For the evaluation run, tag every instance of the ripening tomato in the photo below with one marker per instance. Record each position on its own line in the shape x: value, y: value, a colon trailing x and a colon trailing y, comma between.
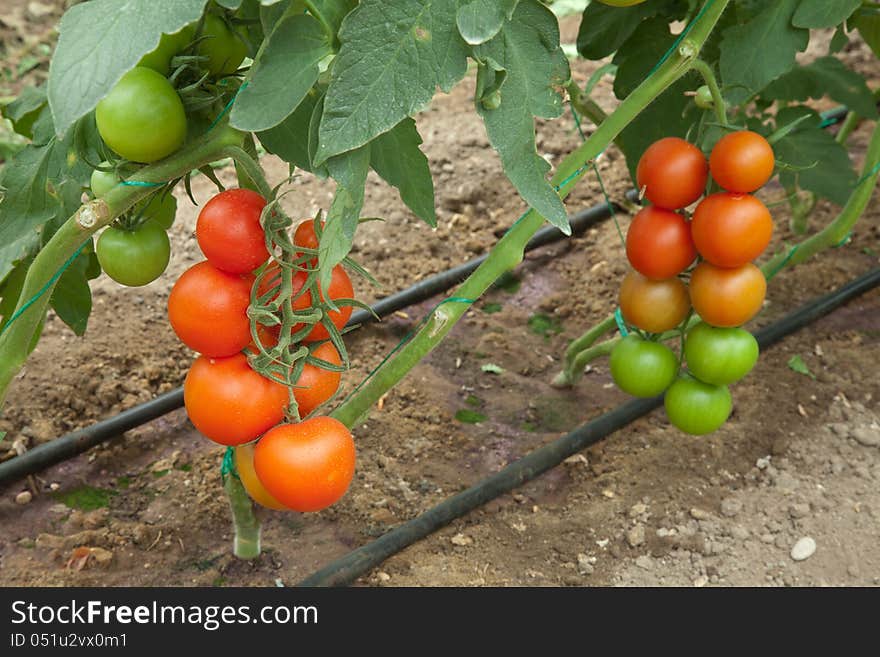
x: 730, y: 230
x: 305, y: 235
x: 306, y: 466
x: 727, y: 297
x: 229, y: 402
x: 207, y: 309
x: 696, y: 407
x: 134, y: 257
x: 244, y: 465
x: 223, y: 47
x: 742, y: 161
x: 316, y: 385
x: 229, y: 232
x: 720, y: 356
x: 642, y: 368
x: 142, y: 118
x: 673, y: 173
x: 659, y: 244
x: 653, y: 306
x: 103, y: 180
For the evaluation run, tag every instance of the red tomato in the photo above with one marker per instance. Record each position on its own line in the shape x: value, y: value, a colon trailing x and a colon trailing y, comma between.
x: 727, y: 297
x: 731, y: 229
x: 306, y: 466
x: 229, y: 402
x: 659, y: 244
x: 229, y: 231
x: 742, y: 161
x: 653, y: 306
x: 207, y: 309
x: 316, y: 385
x: 305, y: 235
x: 673, y: 173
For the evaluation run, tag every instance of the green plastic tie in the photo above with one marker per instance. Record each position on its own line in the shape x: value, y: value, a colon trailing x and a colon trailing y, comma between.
x: 621, y: 325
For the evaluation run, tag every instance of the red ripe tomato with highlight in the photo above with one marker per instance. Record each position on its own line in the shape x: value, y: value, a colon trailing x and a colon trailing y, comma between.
x: 229, y: 232
x: 659, y: 244
x: 316, y: 385
x: 207, y: 309
x: 742, y: 161
x: 305, y: 235
x: 673, y: 173
x: 727, y: 297
x: 653, y: 306
x: 229, y: 402
x: 730, y: 230
x: 306, y: 466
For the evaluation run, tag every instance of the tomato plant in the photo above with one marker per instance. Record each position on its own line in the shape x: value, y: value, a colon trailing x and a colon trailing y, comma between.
x: 229, y: 402
x: 306, y: 466
x: 169, y: 45
x: 229, y: 232
x: 142, y: 118
x: 696, y: 407
x: 653, y: 306
x: 720, y: 356
x: 134, y: 257
x: 659, y: 243
x: 730, y: 230
x: 727, y: 297
x: 643, y: 368
x: 207, y: 309
x: 672, y: 173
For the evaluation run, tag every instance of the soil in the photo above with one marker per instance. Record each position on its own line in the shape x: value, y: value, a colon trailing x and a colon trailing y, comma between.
x: 800, y: 457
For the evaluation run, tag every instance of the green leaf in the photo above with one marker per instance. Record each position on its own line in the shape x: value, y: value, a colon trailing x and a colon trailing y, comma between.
x: 797, y: 364
x: 820, y: 164
x: 528, y: 49
x: 467, y: 416
x: 25, y: 109
x: 319, y: 170
x: 757, y: 52
x: 396, y: 157
x: 289, y: 140
x: 334, y: 11
x: 604, y: 29
x: 349, y: 170
x: 638, y: 56
x: 817, y: 14
x: 838, y: 41
x: 480, y: 20
x: 492, y: 368
x: 100, y: 41
x: 72, y: 298
x: 394, y: 54
x: 868, y: 26
x: 825, y: 76
x: 282, y: 75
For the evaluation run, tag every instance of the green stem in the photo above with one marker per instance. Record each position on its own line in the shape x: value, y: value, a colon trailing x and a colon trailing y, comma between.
x: 837, y: 231
x: 250, y: 167
x: 584, y: 105
x: 508, y: 252
x: 570, y: 373
x: 322, y: 19
x: 246, y: 544
x: 849, y: 124
x: 84, y: 223
x: 712, y: 82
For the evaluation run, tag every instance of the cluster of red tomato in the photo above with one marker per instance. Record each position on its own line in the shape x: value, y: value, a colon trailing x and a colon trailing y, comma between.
x: 304, y: 466
x: 728, y: 230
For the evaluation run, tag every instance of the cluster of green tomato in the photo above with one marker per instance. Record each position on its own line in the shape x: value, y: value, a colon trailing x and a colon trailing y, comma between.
x: 143, y: 119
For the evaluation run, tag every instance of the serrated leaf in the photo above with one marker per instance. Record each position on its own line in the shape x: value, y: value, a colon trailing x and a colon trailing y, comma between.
x: 289, y: 140
x: 641, y: 52
x: 757, y: 52
x: 100, y: 41
x: 349, y: 170
x: 480, y: 20
x: 868, y: 26
x: 528, y: 49
x: 396, y: 157
x: 282, y: 75
x: 492, y: 368
x: 24, y: 110
x: 820, y: 164
x: 797, y: 364
x: 817, y: 14
x: 604, y: 28
x: 72, y: 298
x: 394, y: 54
x: 825, y: 76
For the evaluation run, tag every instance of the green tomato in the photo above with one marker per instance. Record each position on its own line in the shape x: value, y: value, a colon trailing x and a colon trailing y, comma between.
x: 134, y: 257
x: 642, y: 368
x: 703, y: 98
x: 161, y: 208
x: 621, y: 3
x: 169, y: 45
x: 142, y: 118
x: 224, y: 48
x: 720, y: 356
x: 696, y: 407
x: 103, y: 181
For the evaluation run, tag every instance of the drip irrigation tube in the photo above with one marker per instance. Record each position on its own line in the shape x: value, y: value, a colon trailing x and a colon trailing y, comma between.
x: 68, y: 446
x: 348, y: 568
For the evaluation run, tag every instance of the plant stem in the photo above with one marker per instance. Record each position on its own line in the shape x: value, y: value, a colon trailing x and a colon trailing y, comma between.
x: 570, y: 373
x: 849, y: 124
x: 508, y: 252
x: 247, y: 526
x: 837, y: 231
x: 84, y: 223
x: 251, y: 169
x: 584, y: 105
x: 712, y: 82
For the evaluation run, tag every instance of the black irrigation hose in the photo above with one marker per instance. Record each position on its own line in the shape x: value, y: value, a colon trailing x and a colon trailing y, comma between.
x: 348, y: 568
x: 68, y: 446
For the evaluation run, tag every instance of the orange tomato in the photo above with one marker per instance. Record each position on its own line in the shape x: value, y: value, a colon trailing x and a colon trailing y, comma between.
x: 244, y: 465
x: 653, y: 306
x: 742, y: 161
x: 727, y: 297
